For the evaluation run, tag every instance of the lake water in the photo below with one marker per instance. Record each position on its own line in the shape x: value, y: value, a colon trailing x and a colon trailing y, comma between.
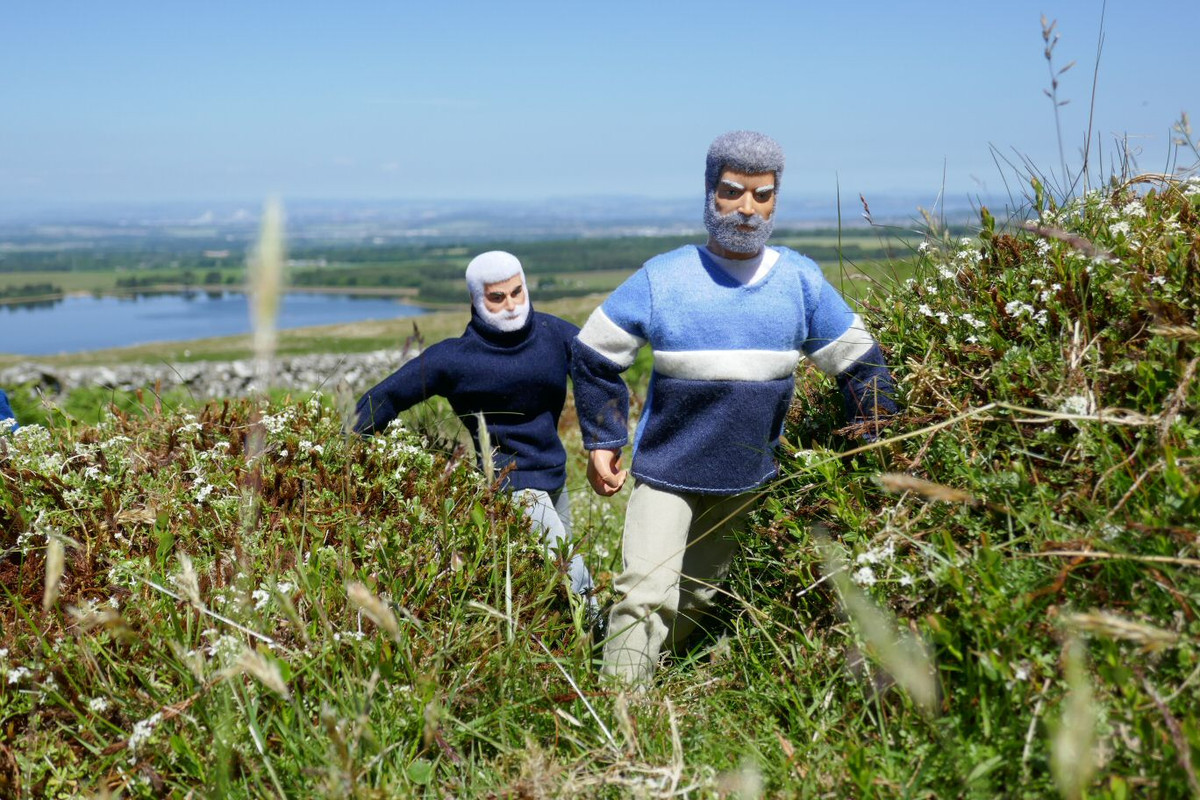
x: 74, y: 324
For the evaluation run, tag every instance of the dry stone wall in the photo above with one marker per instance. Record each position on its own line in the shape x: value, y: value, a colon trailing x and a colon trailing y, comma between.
x: 204, y: 379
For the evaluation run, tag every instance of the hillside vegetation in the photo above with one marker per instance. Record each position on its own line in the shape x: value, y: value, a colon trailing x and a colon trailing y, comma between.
x: 998, y: 597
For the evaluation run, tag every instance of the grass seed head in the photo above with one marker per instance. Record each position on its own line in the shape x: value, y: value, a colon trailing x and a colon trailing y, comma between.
x: 54, y: 572
x: 1111, y: 626
x: 899, y: 483
x: 262, y: 669
x: 1072, y: 751
x: 375, y: 609
x: 187, y: 582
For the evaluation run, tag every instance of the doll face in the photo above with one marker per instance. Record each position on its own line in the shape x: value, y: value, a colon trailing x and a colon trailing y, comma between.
x: 504, y: 297
x: 749, y: 195
x: 738, y: 213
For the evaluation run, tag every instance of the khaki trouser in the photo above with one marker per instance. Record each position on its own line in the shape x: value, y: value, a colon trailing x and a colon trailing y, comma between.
x: 677, y: 548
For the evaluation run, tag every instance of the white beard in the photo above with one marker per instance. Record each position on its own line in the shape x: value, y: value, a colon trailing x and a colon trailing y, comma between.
x: 505, y: 321
x: 724, y: 228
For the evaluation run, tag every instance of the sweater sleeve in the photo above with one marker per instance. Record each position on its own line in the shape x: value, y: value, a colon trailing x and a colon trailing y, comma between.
x: 419, y: 379
x: 605, y: 347
x: 839, y: 345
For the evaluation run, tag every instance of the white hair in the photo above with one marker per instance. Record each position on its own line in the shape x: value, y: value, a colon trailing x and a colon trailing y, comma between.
x: 496, y: 266
x: 493, y: 266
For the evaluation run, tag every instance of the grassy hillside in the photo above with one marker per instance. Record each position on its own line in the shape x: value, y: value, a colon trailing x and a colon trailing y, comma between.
x: 997, y: 598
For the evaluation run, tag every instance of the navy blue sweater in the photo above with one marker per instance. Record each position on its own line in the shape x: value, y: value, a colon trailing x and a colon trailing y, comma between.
x: 517, y: 379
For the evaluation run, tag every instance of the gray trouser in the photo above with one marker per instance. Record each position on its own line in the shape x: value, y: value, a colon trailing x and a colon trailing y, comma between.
x: 677, y: 548
x: 550, y: 513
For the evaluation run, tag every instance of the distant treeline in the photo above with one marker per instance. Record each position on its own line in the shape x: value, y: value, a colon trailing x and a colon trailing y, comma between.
x: 187, y: 278
x: 433, y: 270
x: 29, y: 290
x: 87, y: 260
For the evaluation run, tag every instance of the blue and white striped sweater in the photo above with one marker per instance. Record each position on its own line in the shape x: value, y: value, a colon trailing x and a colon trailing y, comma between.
x: 724, y: 358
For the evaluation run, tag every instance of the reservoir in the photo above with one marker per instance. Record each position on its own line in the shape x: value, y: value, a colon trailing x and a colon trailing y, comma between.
x: 79, y: 323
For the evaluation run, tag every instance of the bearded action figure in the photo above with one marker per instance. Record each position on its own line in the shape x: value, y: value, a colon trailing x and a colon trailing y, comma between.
x: 727, y: 324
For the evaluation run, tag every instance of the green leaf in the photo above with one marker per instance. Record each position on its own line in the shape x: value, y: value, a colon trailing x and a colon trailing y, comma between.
x: 421, y: 772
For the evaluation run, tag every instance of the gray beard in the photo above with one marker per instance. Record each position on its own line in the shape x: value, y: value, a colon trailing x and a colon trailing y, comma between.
x: 723, y: 228
x: 505, y: 321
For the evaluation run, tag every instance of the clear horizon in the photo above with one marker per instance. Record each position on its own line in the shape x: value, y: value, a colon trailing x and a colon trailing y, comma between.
x: 133, y: 102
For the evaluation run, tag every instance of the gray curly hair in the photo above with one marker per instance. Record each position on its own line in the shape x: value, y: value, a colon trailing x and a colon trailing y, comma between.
x: 744, y: 151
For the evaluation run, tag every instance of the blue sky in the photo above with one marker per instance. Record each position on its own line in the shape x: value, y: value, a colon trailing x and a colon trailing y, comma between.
x: 152, y: 101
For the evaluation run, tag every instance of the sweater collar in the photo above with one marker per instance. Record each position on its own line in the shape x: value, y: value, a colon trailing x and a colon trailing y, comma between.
x: 497, y: 337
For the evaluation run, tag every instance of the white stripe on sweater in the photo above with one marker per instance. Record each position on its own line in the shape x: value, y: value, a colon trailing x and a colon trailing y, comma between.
x: 840, y: 354
x: 726, y: 365
x: 609, y: 339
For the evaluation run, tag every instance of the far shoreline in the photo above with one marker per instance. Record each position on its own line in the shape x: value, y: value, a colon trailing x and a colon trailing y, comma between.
x: 409, y: 294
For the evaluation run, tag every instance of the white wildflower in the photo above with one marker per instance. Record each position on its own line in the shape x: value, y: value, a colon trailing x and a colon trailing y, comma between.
x: 32, y: 434
x: 864, y: 577
x: 261, y: 597
x: 877, y: 555
x: 18, y: 674
x: 1078, y: 405
x: 224, y: 648
x: 98, y: 705
x: 923, y: 247
x: 1159, y: 280
x: 203, y: 490
x: 142, y: 730
x: 926, y: 310
x: 1134, y: 208
x: 943, y: 317
x: 974, y: 321
x: 1121, y: 228
x: 1017, y: 308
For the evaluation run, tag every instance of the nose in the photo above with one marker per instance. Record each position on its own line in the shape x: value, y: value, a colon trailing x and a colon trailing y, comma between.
x: 510, y: 303
x: 746, y: 206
